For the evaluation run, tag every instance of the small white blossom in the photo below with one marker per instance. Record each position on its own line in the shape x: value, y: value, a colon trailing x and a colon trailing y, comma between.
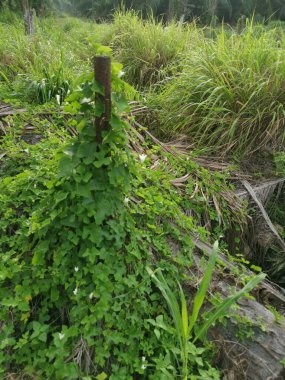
x: 126, y: 200
x: 142, y: 158
x: 58, y: 99
x: 35, y: 185
x: 121, y: 73
x: 61, y: 336
x: 75, y: 291
x: 68, y: 152
x: 85, y: 100
x: 76, y: 269
x: 143, y: 366
x: 91, y: 295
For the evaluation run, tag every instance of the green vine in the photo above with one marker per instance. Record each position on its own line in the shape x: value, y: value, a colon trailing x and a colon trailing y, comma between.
x: 77, y: 301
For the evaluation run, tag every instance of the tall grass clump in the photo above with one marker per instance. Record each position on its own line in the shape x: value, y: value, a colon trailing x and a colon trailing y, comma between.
x: 43, y: 66
x: 146, y: 48
x: 230, y: 95
x: 8, y: 17
x: 22, y: 54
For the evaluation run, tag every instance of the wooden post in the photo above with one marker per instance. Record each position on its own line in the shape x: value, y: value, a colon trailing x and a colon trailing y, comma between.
x: 102, y: 74
x: 29, y: 18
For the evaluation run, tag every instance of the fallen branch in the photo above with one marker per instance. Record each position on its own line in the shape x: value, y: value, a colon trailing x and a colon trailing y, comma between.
x: 264, y: 213
x: 257, y: 355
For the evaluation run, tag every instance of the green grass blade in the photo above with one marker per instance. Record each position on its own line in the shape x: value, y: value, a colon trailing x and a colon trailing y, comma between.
x: 184, y: 314
x: 171, y: 301
x: 212, y: 316
x: 201, y: 294
x: 5, y: 78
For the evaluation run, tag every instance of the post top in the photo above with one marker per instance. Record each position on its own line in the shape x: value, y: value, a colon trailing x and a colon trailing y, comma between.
x: 102, y: 57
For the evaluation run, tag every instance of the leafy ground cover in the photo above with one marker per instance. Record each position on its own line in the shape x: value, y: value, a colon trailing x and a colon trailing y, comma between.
x: 78, y: 232
x: 95, y: 239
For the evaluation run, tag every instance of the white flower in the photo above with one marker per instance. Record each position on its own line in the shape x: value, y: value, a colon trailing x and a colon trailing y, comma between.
x: 126, y: 200
x: 75, y: 291
x: 143, y: 367
x: 142, y: 158
x: 58, y: 99
x: 76, y: 269
x: 69, y: 152
x: 91, y: 295
x: 121, y: 73
x: 61, y: 336
x: 85, y: 100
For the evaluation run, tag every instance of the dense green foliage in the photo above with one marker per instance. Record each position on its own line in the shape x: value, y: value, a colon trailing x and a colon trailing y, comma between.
x: 76, y: 239
x: 94, y: 238
x: 185, y: 322
x: 229, y: 10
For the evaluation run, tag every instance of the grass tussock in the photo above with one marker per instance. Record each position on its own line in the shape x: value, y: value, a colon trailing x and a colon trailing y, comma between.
x: 60, y: 51
x: 147, y: 49
x: 230, y: 96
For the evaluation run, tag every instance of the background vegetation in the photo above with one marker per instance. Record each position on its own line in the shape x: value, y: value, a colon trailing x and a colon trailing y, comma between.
x: 87, y: 233
x: 206, y: 10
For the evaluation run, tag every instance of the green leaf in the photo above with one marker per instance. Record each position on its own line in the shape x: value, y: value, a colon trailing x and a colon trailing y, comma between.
x: 203, y: 288
x: 171, y: 301
x: 60, y: 196
x: 184, y: 314
x: 10, y: 302
x: 101, y: 376
x: 54, y: 294
x: 122, y: 105
x: 116, y: 123
x: 220, y: 310
x: 43, y: 337
x: 99, y: 108
x: 65, y: 166
x: 97, y: 88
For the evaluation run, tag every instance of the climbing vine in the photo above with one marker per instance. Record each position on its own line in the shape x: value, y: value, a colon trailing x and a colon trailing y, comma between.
x: 77, y: 301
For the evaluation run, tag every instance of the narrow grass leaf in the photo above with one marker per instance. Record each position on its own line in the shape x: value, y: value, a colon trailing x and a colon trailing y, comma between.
x: 200, y: 295
x: 212, y: 316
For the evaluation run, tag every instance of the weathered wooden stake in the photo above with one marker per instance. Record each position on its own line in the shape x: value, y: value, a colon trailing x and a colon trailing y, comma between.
x: 102, y: 74
x: 29, y: 18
